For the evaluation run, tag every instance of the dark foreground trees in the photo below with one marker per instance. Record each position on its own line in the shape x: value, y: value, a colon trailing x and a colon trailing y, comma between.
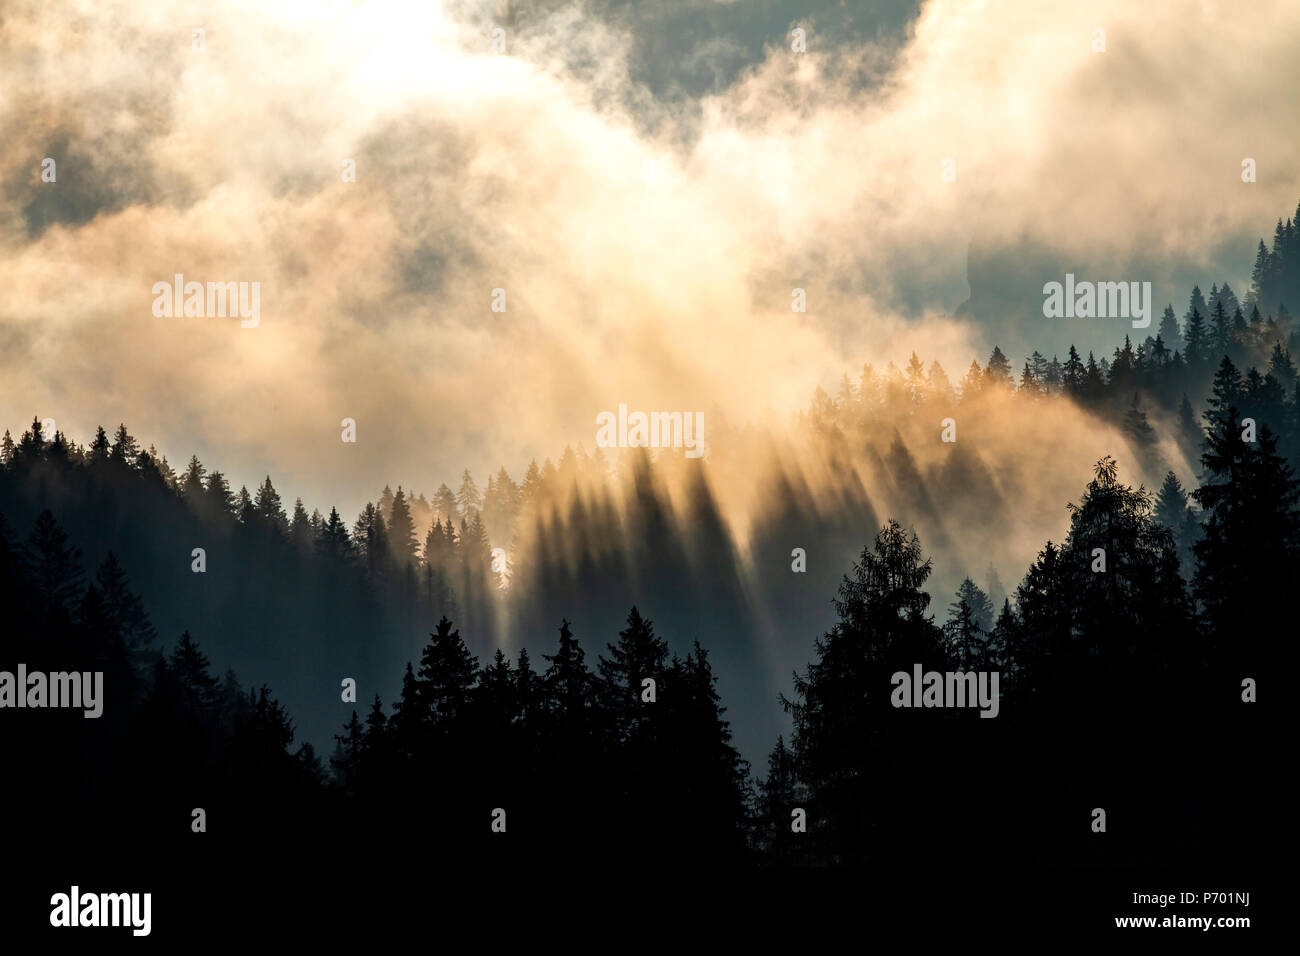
x: 1120, y: 690
x: 629, y: 763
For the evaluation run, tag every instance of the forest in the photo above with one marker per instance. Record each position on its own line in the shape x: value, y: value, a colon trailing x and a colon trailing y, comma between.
x: 609, y: 572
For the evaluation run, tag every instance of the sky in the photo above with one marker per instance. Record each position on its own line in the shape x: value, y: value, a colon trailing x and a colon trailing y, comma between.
x: 646, y: 182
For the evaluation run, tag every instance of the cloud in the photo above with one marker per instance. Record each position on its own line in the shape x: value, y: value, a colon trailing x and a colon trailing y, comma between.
x: 647, y: 244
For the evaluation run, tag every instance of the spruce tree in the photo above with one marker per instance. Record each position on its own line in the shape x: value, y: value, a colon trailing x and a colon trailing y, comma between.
x: 639, y: 654
x: 401, y: 529
x: 842, y: 704
x: 445, y: 679
x: 53, y: 567
x: 124, y: 450
x: 1250, y: 547
x: 468, y: 499
x: 128, y: 613
x: 1169, y: 332
x: 1172, y: 511
x: 998, y: 371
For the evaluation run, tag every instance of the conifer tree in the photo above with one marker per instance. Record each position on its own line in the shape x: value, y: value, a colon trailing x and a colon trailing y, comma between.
x: 53, y: 567
x: 842, y: 701
x: 998, y: 371
x: 468, y: 499
x: 1072, y: 374
x: 269, y: 508
x: 639, y: 654
x: 349, y: 753
x: 1251, y: 526
x: 1199, y: 342
x: 568, y: 685
x: 401, y: 529
x: 219, y: 497
x: 190, y: 668
x: 124, y: 450
x: 445, y: 678
x: 334, y: 539
x: 970, y: 620
x: 1169, y: 332
x: 99, y: 448
x: 1173, y: 512
x: 192, y: 484
x: 128, y: 613
x: 300, y: 526
x: 1138, y: 430
x: 444, y: 503
x: 972, y: 383
x: 245, y: 510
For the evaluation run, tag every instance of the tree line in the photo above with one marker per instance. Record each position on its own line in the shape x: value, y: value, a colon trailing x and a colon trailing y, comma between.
x: 305, y: 598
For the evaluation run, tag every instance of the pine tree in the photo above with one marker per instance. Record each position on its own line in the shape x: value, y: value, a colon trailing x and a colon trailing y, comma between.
x: 779, y: 795
x: 31, y: 445
x: 1038, y: 365
x: 528, y: 691
x: 1281, y: 367
x: 190, y: 668
x: 1055, y: 375
x: 300, y: 526
x: 349, y: 754
x: 638, y: 655
x: 99, y: 448
x: 219, y: 497
x: 127, y: 613
x: 1199, y: 343
x: 842, y: 701
x: 1072, y: 374
x: 192, y: 484
x: 1251, y: 527
x: 913, y: 378
x: 1173, y: 512
x: 970, y: 620
x: 124, y: 450
x: 268, y: 507
x: 1094, y: 381
x: 401, y: 529
x: 245, y: 510
x: 568, y: 685
x: 407, y: 723
x: 334, y: 538
x: 376, y: 725
x: 53, y: 567
x: 1190, y: 434
x: 1028, y: 384
x: 709, y: 791
x: 998, y: 371
x: 1259, y: 276
x: 1140, y: 591
x: 445, y: 678
x: 940, y: 386
x: 444, y: 503
x: 1220, y: 331
x: 468, y: 499
x: 1169, y: 332
x: 1139, y: 432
